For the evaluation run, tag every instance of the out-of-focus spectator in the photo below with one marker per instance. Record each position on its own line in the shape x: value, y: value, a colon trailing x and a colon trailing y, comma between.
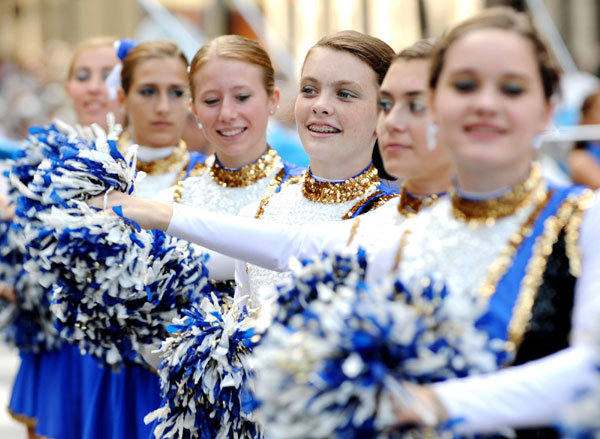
x: 584, y: 159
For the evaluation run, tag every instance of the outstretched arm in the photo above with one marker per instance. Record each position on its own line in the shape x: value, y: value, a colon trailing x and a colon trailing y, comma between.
x: 267, y: 244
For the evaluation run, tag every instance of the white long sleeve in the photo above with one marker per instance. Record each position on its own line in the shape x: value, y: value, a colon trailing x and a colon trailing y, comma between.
x: 529, y: 395
x: 533, y: 393
x: 264, y: 243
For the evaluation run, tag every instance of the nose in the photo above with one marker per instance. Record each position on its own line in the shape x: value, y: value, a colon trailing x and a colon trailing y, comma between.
x: 163, y: 104
x: 227, y: 111
x: 96, y: 84
x: 322, y: 105
x: 396, y: 119
x: 486, y: 100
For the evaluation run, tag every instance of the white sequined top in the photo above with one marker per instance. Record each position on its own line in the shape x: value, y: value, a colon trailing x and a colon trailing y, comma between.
x: 290, y: 206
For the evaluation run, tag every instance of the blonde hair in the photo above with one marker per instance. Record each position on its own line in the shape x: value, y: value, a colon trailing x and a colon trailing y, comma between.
x: 85, y: 45
x: 238, y: 48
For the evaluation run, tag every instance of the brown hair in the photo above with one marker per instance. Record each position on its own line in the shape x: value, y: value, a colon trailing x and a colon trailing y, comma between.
x: 373, y: 51
x: 422, y: 49
x: 85, y: 45
x: 147, y: 51
x: 238, y: 48
x: 503, y: 18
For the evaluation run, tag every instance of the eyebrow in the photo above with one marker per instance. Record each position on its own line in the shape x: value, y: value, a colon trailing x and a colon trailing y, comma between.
x: 339, y: 83
x: 410, y: 93
x: 474, y: 72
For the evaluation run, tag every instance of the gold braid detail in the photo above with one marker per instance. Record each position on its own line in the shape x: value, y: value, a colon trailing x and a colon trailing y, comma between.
x: 572, y: 232
x: 272, y: 190
x: 503, y: 261
x: 355, y: 225
x: 535, y: 271
x: 377, y: 204
x: 199, y: 169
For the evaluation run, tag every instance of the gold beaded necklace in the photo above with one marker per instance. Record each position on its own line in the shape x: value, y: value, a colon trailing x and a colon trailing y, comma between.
x: 410, y: 204
x: 477, y: 212
x: 327, y: 192
x: 248, y: 174
x: 168, y: 164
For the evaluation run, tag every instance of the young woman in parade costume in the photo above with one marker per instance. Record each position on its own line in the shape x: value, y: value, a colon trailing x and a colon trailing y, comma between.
x: 336, y: 119
x: 48, y: 390
x: 526, y: 249
x: 584, y: 159
x: 154, y: 95
x: 233, y: 94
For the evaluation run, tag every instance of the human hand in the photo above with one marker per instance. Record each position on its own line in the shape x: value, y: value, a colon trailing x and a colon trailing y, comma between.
x: 7, y: 211
x: 148, y: 214
x: 7, y: 291
x: 424, y: 409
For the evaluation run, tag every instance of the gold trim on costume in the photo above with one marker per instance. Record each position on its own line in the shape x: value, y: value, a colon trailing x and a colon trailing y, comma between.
x: 272, y: 190
x: 327, y: 192
x: 355, y: 225
x: 248, y: 174
x: 162, y: 166
x: 199, y: 168
x: 537, y: 266
x: 503, y: 261
x: 477, y: 212
x: 380, y: 202
x: 410, y: 204
x: 23, y: 419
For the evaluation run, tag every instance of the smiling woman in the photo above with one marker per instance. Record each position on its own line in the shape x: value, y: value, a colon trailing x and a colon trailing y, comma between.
x: 91, y: 63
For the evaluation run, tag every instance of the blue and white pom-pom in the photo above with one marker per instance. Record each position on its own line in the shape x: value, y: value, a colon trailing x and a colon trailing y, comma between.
x: 114, y: 293
x: 26, y: 322
x: 114, y: 286
x: 204, y: 374
x: 315, y: 280
x: 337, y: 373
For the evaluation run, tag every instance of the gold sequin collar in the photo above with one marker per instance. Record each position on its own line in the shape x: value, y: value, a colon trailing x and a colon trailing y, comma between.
x: 168, y: 164
x: 524, y: 194
x: 330, y: 192
x: 248, y: 174
x: 410, y: 204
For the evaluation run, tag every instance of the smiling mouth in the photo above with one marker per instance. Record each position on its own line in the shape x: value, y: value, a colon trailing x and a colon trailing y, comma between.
x: 231, y: 132
x: 323, y: 129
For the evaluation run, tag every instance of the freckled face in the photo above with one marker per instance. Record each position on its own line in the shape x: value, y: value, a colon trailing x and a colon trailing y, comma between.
x: 336, y: 109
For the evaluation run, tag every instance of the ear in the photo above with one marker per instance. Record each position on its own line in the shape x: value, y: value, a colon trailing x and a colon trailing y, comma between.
x: 547, y: 117
x: 430, y: 106
x: 273, y: 101
x: 122, y: 98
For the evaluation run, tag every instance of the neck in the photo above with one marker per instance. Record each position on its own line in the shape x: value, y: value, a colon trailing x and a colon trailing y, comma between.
x: 327, y: 171
x: 240, y: 159
x: 477, y: 180
x: 429, y: 186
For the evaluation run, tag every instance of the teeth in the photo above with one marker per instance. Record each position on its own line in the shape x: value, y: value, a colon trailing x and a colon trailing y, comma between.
x: 230, y: 133
x: 322, y: 129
